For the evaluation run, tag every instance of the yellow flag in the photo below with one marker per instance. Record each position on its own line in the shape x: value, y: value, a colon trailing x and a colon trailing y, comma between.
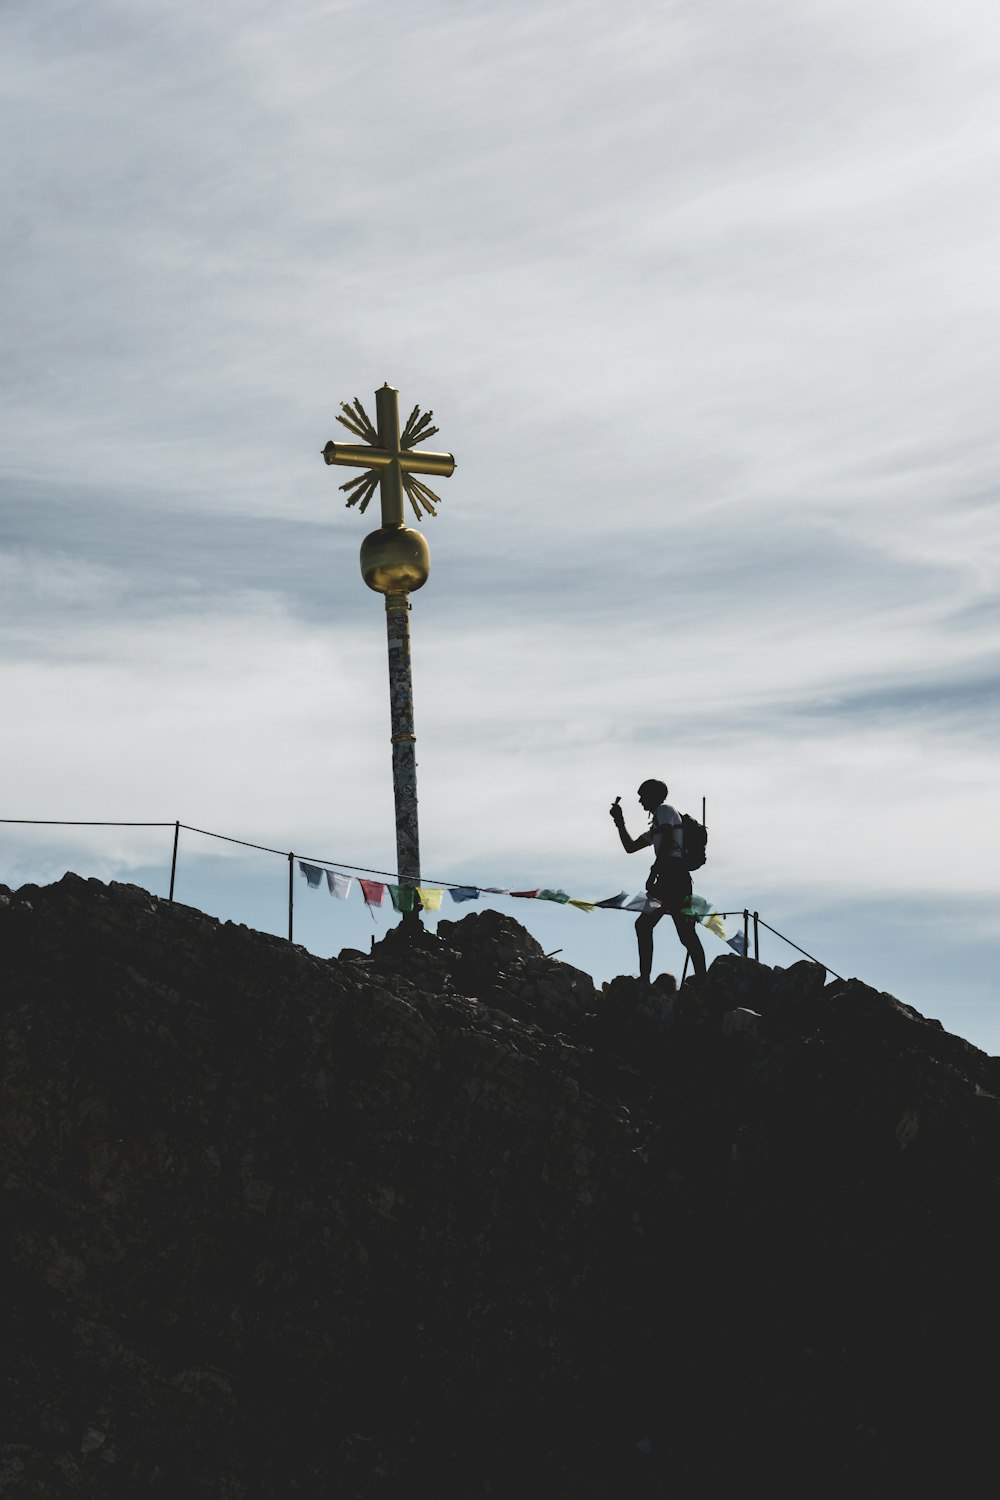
x: 430, y: 897
x: 583, y: 905
x: 714, y: 924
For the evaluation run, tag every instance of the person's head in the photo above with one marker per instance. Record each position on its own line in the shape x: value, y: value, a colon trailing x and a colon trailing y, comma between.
x: 651, y: 794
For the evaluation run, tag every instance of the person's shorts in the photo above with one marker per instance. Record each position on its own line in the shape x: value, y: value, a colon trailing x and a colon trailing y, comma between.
x: 670, y: 883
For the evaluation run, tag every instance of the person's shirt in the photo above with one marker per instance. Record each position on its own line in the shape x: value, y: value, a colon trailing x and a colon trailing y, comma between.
x: 666, y: 833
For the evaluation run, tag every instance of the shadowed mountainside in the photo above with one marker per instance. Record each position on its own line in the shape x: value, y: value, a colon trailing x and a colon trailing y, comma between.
x: 447, y: 1219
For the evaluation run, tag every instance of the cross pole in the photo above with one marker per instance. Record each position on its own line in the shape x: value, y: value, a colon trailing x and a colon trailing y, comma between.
x: 395, y: 560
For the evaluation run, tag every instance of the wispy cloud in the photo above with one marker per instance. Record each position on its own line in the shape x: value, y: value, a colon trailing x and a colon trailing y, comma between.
x: 704, y: 299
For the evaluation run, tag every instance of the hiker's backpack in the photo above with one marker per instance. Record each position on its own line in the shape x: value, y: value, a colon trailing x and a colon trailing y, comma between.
x: 695, y: 842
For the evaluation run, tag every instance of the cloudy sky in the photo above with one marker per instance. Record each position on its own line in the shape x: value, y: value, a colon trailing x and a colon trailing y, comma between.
x: 704, y: 297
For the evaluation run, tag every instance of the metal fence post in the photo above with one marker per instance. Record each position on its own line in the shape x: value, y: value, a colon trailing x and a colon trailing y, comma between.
x: 173, y: 862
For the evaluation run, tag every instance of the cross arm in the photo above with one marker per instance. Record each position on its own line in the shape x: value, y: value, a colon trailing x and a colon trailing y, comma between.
x: 413, y: 461
x: 420, y: 461
x: 357, y: 455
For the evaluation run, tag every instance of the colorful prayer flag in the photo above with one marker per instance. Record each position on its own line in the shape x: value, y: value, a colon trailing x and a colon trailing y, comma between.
x: 614, y: 901
x: 583, y: 905
x: 559, y: 896
x: 401, y: 896
x: 339, y: 885
x: 714, y: 925
x: 464, y: 893
x: 373, y: 890
x: 529, y: 894
x: 738, y: 944
x: 431, y: 896
x: 313, y: 873
x: 698, y: 907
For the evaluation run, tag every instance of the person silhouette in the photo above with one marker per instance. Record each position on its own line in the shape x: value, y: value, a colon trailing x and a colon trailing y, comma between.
x: 669, y: 879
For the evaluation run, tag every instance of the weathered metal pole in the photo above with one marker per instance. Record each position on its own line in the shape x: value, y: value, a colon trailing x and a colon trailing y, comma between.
x: 404, y: 743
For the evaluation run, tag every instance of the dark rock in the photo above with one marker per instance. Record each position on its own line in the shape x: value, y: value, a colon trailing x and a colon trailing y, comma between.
x: 742, y: 1023
x: 443, y: 1219
x: 491, y: 957
x: 490, y: 937
x: 791, y: 999
x: 732, y: 983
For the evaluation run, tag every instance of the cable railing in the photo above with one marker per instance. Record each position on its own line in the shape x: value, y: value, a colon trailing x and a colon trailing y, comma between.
x: 741, y: 944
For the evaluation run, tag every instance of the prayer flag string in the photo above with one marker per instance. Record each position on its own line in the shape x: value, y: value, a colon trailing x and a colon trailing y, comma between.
x: 431, y: 897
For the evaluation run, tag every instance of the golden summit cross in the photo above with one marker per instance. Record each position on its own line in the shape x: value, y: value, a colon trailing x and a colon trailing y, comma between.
x: 390, y: 458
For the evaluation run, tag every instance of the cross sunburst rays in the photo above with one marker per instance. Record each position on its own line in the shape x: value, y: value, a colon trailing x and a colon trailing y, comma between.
x: 420, y: 495
x: 358, y: 422
x: 418, y: 429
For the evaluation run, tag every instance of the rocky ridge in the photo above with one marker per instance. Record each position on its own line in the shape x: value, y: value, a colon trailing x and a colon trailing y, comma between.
x: 447, y: 1218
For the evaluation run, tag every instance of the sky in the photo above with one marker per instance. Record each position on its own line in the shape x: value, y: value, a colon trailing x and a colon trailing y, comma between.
x: 704, y: 298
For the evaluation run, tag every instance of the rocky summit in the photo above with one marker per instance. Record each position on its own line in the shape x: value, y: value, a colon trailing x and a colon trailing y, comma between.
x: 444, y: 1219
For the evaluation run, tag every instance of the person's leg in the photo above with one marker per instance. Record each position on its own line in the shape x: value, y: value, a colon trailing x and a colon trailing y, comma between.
x: 644, y: 934
x: 688, y: 934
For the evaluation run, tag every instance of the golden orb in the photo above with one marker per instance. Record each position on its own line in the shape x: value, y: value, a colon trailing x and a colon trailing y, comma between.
x: 395, y: 560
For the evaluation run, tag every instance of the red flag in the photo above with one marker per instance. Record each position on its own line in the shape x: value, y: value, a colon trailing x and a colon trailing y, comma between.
x: 373, y: 890
x: 525, y: 893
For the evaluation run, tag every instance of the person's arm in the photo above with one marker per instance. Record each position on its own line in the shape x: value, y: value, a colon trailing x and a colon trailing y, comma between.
x: 630, y: 845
